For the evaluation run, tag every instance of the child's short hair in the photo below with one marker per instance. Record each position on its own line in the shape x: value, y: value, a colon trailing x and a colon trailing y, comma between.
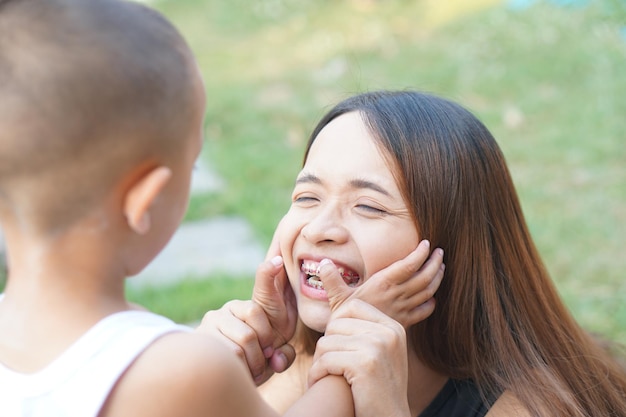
x: 88, y: 90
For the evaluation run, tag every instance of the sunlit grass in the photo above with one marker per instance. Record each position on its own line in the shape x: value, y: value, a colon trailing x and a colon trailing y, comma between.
x: 188, y: 300
x: 550, y: 82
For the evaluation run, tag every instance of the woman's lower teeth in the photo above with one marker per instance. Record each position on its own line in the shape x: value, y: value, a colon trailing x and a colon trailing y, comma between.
x: 315, y: 283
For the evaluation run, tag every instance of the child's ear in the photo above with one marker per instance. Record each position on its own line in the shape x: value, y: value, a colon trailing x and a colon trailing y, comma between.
x: 142, y: 195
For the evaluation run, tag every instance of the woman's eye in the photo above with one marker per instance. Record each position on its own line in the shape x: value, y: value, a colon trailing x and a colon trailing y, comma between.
x: 305, y: 200
x: 371, y: 210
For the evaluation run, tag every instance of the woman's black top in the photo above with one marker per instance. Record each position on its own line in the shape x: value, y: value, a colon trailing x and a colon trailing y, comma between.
x: 456, y: 399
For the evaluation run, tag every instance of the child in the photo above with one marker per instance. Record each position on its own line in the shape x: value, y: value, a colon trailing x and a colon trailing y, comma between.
x: 101, y: 113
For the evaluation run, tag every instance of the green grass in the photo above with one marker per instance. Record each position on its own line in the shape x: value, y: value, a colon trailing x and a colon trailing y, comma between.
x: 550, y: 82
x: 3, y: 275
x: 188, y: 300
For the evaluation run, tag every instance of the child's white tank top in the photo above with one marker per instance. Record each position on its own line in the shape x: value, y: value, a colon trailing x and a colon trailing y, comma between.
x: 79, y: 381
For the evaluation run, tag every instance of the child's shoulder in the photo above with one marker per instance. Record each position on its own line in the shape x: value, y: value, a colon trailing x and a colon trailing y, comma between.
x: 186, y: 374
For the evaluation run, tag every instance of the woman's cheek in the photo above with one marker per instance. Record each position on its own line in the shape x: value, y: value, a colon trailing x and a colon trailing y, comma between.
x: 287, y: 228
x: 378, y: 256
x: 287, y: 235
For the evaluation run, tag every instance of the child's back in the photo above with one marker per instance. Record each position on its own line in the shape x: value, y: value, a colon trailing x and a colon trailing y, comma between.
x: 101, y: 110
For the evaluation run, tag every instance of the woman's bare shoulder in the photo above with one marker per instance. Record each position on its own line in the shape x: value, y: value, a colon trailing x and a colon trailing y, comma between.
x: 508, y: 405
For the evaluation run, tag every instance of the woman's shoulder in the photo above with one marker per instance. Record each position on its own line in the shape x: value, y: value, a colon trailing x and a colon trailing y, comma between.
x: 508, y: 405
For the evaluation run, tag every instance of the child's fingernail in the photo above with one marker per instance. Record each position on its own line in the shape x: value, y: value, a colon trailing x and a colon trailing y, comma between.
x: 324, y: 262
x: 277, y: 260
x: 440, y: 251
x: 268, y: 352
x: 281, y: 360
x: 426, y: 243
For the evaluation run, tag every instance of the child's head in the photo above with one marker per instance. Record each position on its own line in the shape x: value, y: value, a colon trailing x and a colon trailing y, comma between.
x: 94, y: 95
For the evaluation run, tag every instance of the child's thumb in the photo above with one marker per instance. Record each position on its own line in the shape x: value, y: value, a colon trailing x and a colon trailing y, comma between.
x: 282, y: 358
x: 336, y: 288
x: 265, y: 292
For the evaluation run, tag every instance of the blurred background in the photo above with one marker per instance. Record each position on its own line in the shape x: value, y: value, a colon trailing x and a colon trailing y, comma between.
x: 548, y: 78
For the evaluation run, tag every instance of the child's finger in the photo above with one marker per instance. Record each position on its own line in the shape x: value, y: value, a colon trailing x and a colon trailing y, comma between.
x: 334, y: 285
x: 419, y: 313
x: 427, y: 292
x: 425, y: 276
x: 423, y: 300
x: 402, y: 270
x: 266, y: 295
x: 282, y: 358
x: 239, y: 324
x: 434, y: 260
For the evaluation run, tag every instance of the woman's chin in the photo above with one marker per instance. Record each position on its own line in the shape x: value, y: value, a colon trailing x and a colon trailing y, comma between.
x: 318, y: 327
x: 315, y: 320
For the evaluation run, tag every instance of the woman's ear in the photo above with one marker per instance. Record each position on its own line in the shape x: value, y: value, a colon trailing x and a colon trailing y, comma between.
x: 142, y: 195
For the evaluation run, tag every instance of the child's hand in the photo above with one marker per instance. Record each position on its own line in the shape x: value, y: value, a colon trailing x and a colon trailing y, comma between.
x: 258, y: 330
x: 404, y: 290
x: 369, y: 349
x: 274, y: 295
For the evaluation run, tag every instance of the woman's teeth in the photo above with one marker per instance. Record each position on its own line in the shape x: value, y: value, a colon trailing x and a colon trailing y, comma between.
x: 313, y: 280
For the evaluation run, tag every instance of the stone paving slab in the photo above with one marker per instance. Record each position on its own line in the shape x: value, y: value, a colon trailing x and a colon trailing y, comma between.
x: 197, y: 249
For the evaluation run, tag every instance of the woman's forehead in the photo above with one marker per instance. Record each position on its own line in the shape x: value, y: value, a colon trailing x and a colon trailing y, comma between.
x: 346, y: 151
x: 345, y: 140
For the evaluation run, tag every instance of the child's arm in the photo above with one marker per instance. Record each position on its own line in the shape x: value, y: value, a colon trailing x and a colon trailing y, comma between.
x: 330, y: 396
x: 186, y: 374
x: 195, y: 375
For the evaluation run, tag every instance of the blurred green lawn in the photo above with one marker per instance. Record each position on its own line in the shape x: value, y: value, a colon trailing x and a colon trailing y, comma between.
x: 549, y: 81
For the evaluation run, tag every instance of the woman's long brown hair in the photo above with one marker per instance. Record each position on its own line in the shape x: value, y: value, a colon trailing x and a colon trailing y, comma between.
x: 499, y: 320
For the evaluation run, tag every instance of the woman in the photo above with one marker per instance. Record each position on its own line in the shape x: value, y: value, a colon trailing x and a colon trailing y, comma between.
x: 383, y: 170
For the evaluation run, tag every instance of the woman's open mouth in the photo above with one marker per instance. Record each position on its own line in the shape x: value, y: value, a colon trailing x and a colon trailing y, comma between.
x: 312, y: 279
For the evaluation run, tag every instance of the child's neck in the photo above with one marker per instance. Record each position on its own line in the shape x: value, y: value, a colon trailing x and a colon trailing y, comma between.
x: 57, y: 289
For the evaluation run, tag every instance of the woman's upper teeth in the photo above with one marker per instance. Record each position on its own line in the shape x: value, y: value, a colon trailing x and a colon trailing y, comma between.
x: 311, y: 268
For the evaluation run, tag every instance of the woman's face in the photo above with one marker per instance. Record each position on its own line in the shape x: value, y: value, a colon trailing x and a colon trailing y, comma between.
x: 347, y: 207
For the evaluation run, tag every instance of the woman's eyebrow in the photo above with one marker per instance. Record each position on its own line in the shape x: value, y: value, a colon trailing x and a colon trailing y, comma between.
x: 358, y: 183
x: 361, y: 183
x: 308, y: 178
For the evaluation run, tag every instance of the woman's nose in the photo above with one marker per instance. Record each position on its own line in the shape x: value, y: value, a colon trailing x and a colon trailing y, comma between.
x: 325, y: 226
